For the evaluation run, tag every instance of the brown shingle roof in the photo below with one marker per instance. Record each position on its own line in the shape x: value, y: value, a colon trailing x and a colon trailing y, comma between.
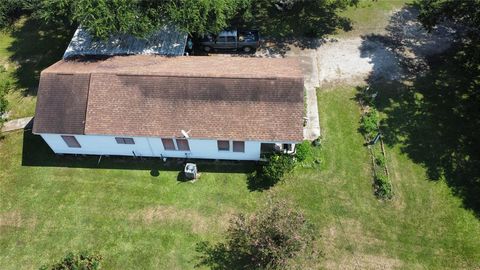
x: 61, y: 103
x: 214, y: 97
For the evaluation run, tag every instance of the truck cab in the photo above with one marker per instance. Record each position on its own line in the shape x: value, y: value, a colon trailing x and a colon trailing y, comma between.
x: 245, y: 41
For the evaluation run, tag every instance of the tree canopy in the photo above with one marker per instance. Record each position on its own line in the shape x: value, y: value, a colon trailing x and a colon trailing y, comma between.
x: 466, y: 13
x: 140, y: 17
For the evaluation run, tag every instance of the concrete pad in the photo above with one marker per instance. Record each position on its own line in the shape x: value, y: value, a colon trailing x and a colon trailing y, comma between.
x: 309, y: 64
x: 16, y: 124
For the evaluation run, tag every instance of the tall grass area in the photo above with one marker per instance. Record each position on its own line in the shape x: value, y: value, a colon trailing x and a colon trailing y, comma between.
x: 136, y: 220
x: 26, y: 49
x: 20, y: 105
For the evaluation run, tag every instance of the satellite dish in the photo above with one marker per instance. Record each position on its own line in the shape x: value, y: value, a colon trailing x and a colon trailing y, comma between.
x: 185, y: 134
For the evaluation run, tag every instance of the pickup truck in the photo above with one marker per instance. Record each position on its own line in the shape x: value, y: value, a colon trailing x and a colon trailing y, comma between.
x: 245, y: 41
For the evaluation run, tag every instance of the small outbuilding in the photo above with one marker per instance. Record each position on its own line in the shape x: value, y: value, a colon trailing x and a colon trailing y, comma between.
x: 196, y: 107
x: 168, y: 40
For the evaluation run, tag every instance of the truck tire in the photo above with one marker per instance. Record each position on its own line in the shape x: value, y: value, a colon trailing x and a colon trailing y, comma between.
x: 247, y: 49
x: 207, y: 49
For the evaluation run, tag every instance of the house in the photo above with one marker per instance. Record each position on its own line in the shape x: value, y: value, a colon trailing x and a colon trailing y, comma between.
x: 197, y: 107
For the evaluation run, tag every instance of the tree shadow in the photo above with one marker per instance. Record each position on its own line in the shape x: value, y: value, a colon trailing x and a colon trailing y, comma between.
x: 304, y: 24
x: 37, y: 153
x: 256, y: 181
x: 219, y: 257
x: 432, y: 106
x: 36, y: 46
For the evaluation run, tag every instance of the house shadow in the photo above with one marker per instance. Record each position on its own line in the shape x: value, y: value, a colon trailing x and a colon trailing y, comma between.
x: 36, y: 45
x: 37, y: 153
x: 431, y: 105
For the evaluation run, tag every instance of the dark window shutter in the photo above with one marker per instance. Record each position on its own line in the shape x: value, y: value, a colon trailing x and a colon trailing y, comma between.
x: 128, y: 140
x: 182, y: 145
x: 121, y: 140
x: 168, y: 144
x: 238, y: 146
x: 71, y: 141
x: 223, y: 145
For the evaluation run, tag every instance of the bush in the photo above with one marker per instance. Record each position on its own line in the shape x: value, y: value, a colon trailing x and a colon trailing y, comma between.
x: 383, y: 187
x: 271, y: 172
x: 3, y: 106
x: 81, y: 261
x: 317, y: 142
x: 5, y: 85
x: 369, y: 123
x: 304, y: 151
x: 277, y: 166
x: 380, y: 161
x: 268, y: 239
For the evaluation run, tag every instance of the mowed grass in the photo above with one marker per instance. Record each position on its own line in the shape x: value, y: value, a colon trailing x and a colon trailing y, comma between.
x: 138, y: 221
x: 370, y: 16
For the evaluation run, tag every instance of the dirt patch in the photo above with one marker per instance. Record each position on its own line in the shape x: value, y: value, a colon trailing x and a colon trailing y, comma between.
x: 364, y: 261
x: 345, y: 244
x: 379, y: 56
x: 169, y: 214
x: 345, y: 61
x: 16, y: 220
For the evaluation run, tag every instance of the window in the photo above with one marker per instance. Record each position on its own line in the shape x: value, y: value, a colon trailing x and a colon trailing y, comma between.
x: 287, y: 146
x: 231, y: 39
x: 266, y: 148
x: 121, y: 140
x: 71, y: 141
x: 168, y: 144
x: 182, y: 145
x: 238, y: 146
x: 223, y: 145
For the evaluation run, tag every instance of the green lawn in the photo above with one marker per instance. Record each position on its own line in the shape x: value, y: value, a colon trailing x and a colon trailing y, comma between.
x: 52, y: 205
x: 370, y: 16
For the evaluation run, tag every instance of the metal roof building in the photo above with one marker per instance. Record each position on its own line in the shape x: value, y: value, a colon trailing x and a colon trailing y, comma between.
x: 167, y: 41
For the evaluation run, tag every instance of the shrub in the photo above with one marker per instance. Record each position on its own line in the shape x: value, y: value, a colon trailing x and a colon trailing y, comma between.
x: 304, y: 151
x: 271, y: 172
x: 5, y: 86
x: 277, y: 166
x: 317, y: 142
x: 369, y: 123
x: 383, y: 187
x: 380, y: 160
x: 3, y: 106
x: 71, y: 261
x: 268, y: 239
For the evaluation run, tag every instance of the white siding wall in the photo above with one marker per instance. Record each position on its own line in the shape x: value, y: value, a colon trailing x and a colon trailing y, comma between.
x: 106, y: 145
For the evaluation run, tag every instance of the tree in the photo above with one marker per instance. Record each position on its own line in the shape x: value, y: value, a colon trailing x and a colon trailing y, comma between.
x: 466, y: 16
x: 289, y: 17
x: 466, y: 13
x: 10, y: 10
x: 140, y: 17
x: 269, y: 239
